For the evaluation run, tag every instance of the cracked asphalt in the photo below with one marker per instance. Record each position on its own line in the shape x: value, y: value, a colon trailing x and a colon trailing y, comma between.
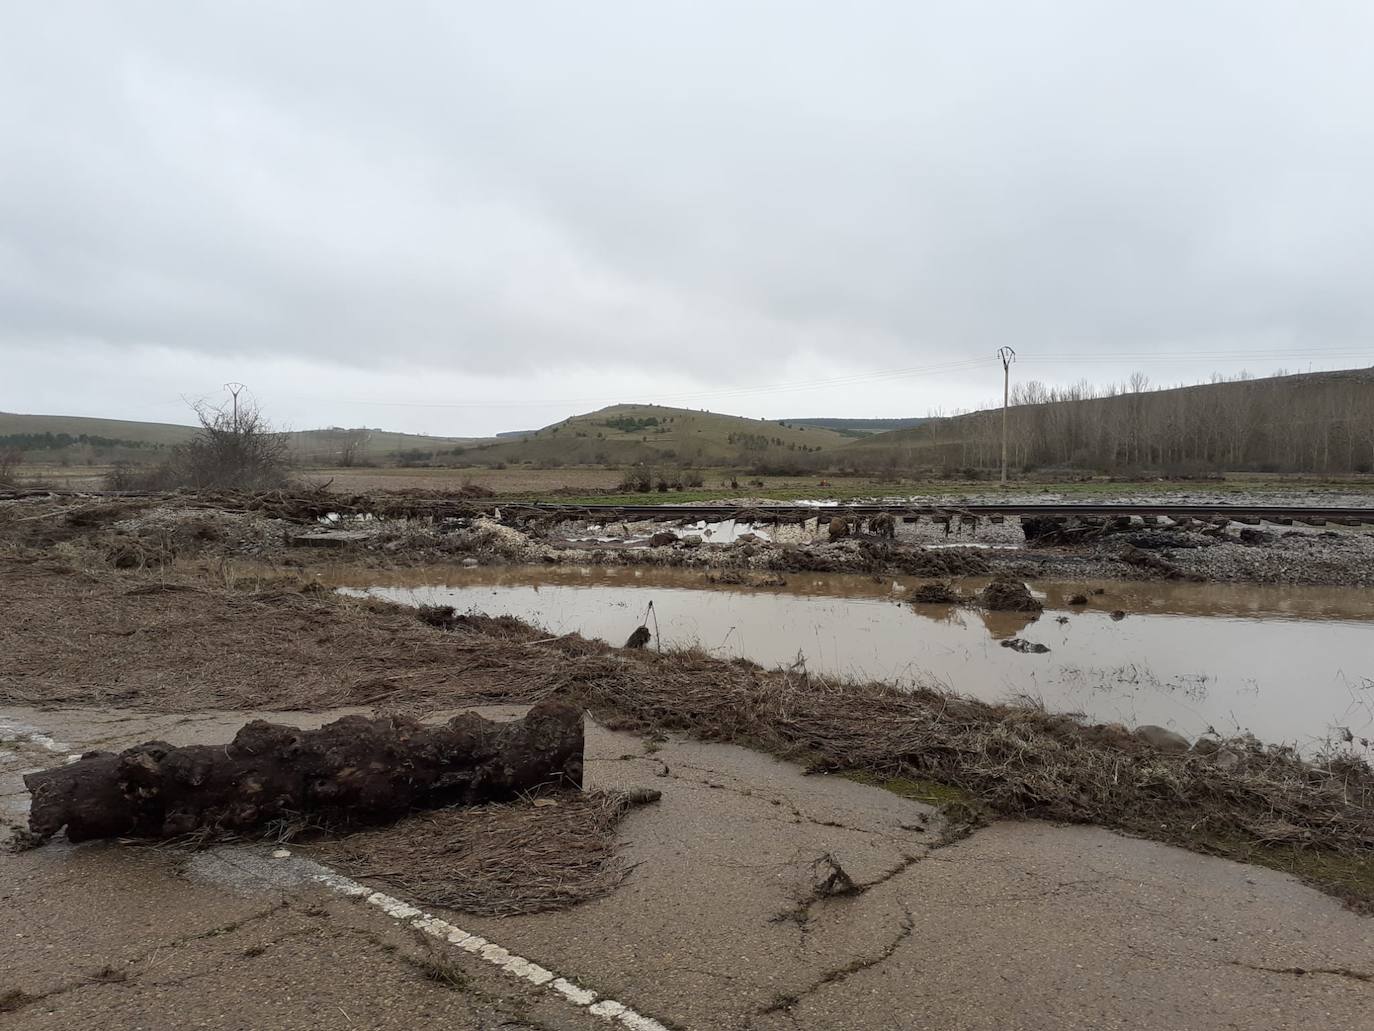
x: 1023, y: 925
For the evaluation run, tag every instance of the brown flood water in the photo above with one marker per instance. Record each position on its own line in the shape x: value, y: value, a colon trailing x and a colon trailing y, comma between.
x: 1290, y: 664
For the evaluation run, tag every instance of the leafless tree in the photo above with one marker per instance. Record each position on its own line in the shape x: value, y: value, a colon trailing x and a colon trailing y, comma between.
x: 234, y: 448
x: 353, y: 449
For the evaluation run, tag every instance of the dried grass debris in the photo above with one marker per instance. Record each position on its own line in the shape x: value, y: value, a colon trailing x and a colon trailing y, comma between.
x: 495, y: 860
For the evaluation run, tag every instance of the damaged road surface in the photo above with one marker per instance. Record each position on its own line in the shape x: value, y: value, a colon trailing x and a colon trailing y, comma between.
x: 732, y: 915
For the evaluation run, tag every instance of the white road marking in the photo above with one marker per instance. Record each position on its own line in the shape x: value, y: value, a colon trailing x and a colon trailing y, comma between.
x: 516, y: 966
x: 12, y: 730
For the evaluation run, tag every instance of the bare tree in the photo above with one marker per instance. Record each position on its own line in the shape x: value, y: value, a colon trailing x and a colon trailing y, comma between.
x: 234, y: 448
x: 354, y: 447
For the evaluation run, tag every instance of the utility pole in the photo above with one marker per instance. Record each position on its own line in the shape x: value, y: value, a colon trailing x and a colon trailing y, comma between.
x: 1008, y: 356
x: 234, y: 389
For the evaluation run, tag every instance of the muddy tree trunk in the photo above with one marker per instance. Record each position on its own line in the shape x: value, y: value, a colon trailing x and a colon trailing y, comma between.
x: 353, y: 771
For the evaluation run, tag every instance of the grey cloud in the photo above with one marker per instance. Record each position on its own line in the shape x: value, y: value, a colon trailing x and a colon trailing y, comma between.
x: 539, y: 186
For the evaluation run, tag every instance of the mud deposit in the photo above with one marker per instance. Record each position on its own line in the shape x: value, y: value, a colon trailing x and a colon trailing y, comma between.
x: 1287, y: 664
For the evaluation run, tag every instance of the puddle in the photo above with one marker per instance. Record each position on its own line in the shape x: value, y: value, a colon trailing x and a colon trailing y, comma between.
x: 1288, y: 664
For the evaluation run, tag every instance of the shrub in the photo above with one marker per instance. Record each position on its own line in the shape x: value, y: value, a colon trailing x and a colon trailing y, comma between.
x: 235, y: 448
x: 10, y: 460
x: 637, y: 480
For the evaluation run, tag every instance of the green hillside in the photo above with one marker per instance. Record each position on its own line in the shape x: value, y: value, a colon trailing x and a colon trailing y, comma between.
x: 113, y: 429
x: 629, y: 434
x: 324, y: 447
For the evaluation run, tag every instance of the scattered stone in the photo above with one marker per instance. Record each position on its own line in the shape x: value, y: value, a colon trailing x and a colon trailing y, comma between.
x: 1226, y: 759
x: 1206, y: 746
x: 1020, y: 644
x: 1133, y: 556
x: 1161, y: 738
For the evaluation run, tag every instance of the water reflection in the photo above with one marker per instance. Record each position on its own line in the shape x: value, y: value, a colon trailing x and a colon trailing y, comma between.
x: 1289, y: 664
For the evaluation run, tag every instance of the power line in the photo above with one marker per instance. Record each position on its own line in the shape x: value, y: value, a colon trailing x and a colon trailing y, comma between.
x: 1192, y: 355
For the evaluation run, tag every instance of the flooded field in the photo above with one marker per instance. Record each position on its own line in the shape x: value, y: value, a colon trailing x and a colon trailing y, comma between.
x: 1288, y: 664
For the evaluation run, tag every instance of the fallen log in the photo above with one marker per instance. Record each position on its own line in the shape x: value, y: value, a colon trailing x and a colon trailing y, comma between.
x: 353, y: 771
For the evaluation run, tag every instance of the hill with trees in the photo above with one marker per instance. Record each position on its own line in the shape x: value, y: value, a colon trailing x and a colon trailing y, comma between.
x: 631, y: 434
x: 1319, y: 422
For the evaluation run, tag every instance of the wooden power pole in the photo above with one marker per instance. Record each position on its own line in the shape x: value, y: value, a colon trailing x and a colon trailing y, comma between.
x: 1008, y: 356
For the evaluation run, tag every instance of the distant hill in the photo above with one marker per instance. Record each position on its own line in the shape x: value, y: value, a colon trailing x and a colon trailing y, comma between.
x: 629, y: 434
x: 1310, y: 422
x: 113, y: 429
x: 139, y: 441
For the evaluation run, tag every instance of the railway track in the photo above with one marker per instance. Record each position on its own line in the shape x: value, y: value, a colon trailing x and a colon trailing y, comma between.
x: 994, y: 512
x: 784, y: 511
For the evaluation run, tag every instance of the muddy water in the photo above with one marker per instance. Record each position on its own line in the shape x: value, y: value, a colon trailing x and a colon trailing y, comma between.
x: 1288, y: 664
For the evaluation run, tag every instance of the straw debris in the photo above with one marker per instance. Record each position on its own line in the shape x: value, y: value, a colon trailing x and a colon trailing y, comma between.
x: 495, y: 860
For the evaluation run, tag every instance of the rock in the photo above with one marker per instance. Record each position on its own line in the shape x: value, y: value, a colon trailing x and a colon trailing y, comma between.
x: 1079, y: 599
x: 839, y: 528
x: 1020, y: 644
x: 469, y: 562
x: 1206, y: 746
x: 663, y: 539
x: 1118, y: 615
x: 1225, y: 759
x: 691, y: 541
x: 1255, y: 538
x: 1162, y: 738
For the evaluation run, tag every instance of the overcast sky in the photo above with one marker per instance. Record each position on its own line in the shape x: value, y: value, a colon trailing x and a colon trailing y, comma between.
x: 460, y: 218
